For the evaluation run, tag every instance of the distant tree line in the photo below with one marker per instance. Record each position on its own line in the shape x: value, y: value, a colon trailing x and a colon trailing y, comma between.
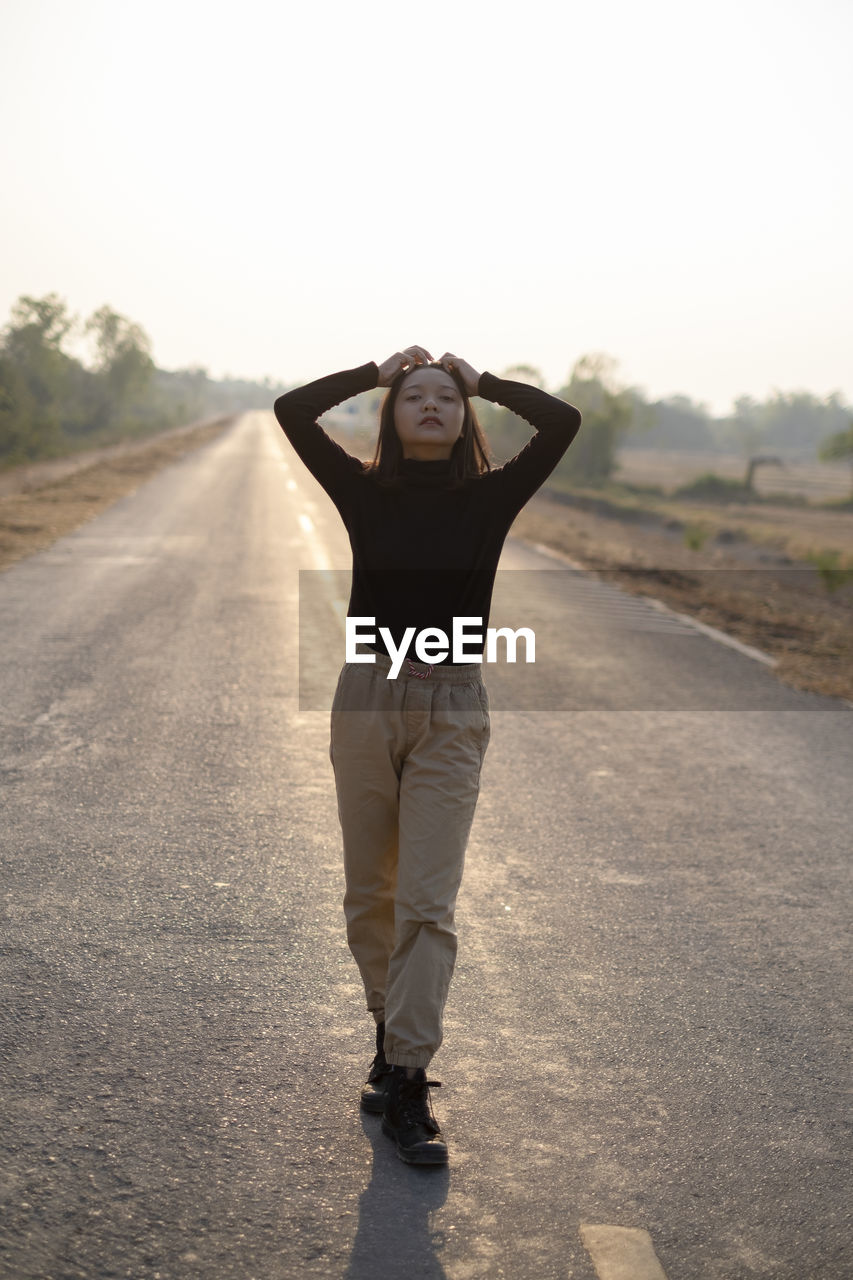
x: 52, y: 403
x: 793, y: 424
x: 615, y: 415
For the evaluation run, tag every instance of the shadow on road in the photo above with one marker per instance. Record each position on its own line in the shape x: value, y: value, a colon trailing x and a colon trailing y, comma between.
x: 394, y: 1233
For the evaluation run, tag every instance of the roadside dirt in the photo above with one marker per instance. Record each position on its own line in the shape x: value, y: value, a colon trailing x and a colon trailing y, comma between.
x: 32, y: 518
x: 783, y: 609
x: 37, y: 475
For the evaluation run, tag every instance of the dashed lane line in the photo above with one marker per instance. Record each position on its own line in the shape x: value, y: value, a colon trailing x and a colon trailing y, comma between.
x: 314, y: 546
x: 621, y: 1253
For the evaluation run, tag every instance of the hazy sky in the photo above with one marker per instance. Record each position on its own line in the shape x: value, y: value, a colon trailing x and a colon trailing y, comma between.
x: 288, y: 189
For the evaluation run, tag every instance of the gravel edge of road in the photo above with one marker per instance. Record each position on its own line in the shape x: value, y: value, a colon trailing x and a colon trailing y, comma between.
x: 777, y: 609
x: 32, y: 519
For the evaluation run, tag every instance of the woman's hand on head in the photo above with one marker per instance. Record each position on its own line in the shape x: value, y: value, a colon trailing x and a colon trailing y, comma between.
x: 406, y: 359
x: 467, y: 373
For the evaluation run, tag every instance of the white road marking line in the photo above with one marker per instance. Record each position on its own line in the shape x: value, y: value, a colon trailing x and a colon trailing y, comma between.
x: 746, y: 649
x: 331, y: 590
x: 712, y: 632
x: 621, y: 1253
x: 315, y: 546
x: 306, y: 524
x: 554, y: 555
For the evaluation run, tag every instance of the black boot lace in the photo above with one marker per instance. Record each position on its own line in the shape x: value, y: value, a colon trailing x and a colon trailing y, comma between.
x: 380, y: 1067
x: 415, y: 1107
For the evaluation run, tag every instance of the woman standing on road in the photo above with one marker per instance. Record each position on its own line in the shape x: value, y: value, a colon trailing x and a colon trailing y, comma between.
x: 426, y: 521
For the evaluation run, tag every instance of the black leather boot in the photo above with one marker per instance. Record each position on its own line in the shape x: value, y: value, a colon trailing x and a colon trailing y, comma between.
x: 373, y: 1093
x: 408, y: 1118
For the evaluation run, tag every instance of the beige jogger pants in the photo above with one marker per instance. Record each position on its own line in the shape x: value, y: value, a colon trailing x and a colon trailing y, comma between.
x: 407, y: 755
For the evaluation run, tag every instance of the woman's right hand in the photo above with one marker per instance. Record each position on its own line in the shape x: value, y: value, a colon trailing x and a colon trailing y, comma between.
x: 400, y: 360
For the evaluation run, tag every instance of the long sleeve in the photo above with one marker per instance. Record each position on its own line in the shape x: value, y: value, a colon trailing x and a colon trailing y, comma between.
x: 297, y: 412
x: 556, y: 424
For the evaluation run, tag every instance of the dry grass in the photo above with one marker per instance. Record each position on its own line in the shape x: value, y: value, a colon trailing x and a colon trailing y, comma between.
x: 33, y: 520
x: 671, y: 468
x: 786, y: 612
x: 796, y: 531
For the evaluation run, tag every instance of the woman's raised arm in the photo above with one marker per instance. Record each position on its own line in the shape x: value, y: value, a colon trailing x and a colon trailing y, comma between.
x: 556, y: 424
x: 298, y: 410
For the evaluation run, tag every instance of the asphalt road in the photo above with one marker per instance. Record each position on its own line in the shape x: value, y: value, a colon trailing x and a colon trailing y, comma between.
x: 647, y: 1026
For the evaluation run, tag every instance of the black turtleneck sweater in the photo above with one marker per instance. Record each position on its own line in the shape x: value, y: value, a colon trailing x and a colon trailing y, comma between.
x: 424, y: 553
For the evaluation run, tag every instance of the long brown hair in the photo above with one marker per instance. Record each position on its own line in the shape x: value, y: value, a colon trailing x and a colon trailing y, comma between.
x: 470, y: 454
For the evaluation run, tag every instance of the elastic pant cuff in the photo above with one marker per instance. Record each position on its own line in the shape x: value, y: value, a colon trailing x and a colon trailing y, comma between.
x: 397, y: 1058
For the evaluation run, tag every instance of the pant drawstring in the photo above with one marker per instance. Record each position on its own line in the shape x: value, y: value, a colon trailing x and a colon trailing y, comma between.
x: 422, y: 675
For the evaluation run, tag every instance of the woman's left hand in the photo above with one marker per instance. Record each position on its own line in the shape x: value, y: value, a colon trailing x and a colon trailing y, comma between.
x: 469, y: 375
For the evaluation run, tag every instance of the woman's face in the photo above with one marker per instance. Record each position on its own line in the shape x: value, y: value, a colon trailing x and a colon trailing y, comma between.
x: 428, y: 414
